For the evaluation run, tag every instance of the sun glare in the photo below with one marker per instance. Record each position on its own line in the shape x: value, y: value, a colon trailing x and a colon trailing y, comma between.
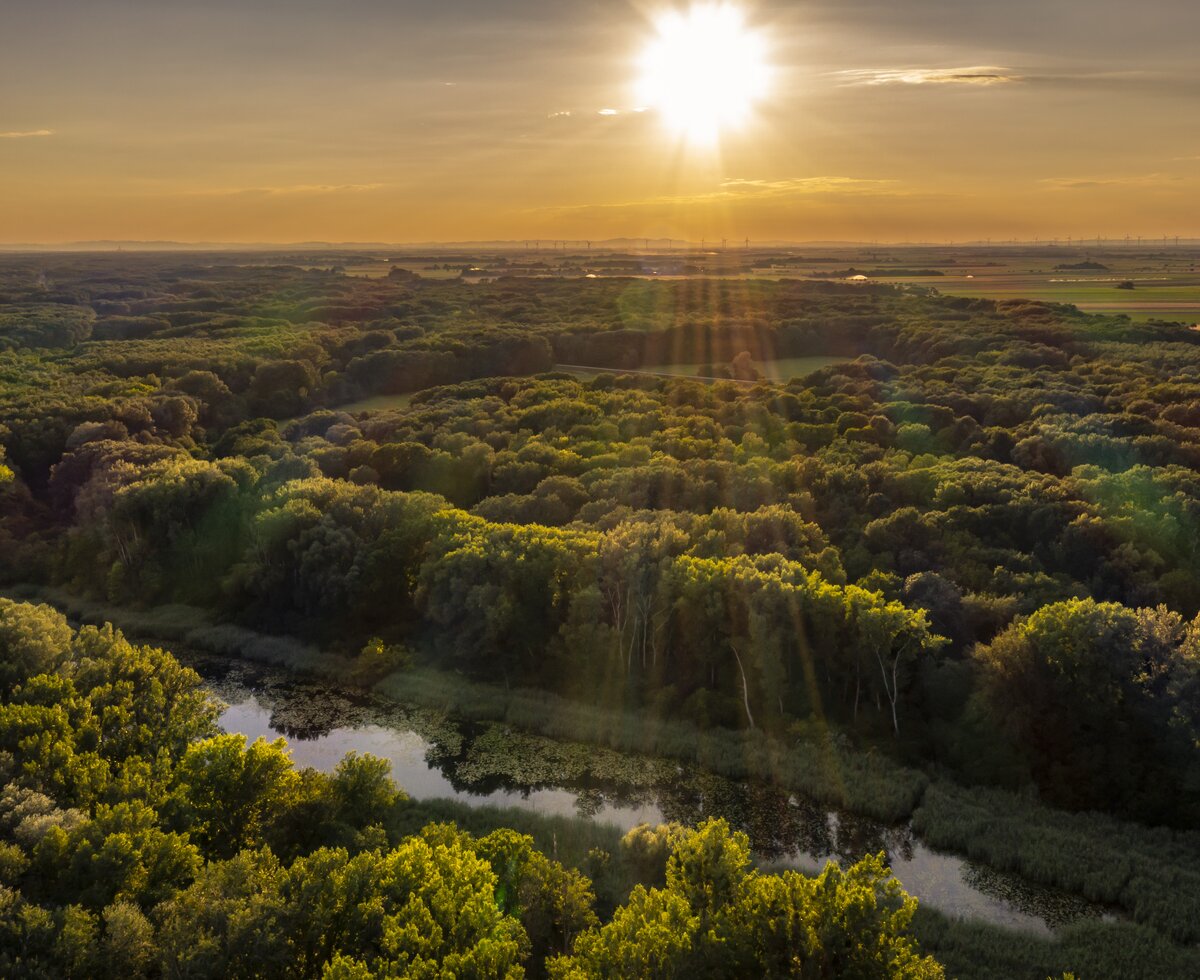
x: 704, y: 71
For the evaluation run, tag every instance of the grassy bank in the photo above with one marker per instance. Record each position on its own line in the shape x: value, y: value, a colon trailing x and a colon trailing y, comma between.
x: 865, y: 783
x: 1090, y: 950
x: 187, y: 625
x: 1151, y: 873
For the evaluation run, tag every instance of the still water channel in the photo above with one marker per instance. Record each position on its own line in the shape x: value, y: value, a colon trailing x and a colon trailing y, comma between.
x: 433, y: 756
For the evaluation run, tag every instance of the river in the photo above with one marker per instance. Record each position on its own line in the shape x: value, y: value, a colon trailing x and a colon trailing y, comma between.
x: 437, y: 757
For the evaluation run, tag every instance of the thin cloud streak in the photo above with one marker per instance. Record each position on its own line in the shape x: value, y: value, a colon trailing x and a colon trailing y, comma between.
x: 741, y: 187
x: 985, y: 76
x: 26, y: 134
x: 607, y: 111
x: 979, y: 75
x: 1130, y: 180
x: 734, y: 190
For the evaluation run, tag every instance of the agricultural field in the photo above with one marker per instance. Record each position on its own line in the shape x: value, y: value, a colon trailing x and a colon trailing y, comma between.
x: 1163, y: 288
x: 376, y: 403
x: 777, y: 369
x: 1165, y: 282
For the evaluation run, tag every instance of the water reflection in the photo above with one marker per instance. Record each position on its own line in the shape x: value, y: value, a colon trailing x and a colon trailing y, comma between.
x: 433, y: 756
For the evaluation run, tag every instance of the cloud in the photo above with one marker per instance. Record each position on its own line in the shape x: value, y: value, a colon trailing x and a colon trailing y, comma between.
x: 737, y: 190
x: 978, y: 75
x: 608, y: 112
x: 26, y: 134
x: 741, y: 187
x: 1129, y: 180
x: 983, y: 76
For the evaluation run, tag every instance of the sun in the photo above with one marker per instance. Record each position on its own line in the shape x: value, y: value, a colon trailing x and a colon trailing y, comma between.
x: 704, y: 71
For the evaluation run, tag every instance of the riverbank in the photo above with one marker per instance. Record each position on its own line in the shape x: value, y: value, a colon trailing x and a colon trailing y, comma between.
x: 814, y: 763
x: 1151, y: 875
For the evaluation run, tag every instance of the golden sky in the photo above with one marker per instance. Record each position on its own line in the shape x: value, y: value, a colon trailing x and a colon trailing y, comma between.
x: 415, y: 120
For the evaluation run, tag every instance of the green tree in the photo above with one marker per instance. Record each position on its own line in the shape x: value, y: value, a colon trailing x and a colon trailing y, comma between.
x: 1092, y: 694
x: 33, y: 640
x: 717, y: 917
x: 120, y: 854
x: 227, y: 792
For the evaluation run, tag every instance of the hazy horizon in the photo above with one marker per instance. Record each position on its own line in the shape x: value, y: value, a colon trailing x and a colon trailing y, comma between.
x: 630, y: 243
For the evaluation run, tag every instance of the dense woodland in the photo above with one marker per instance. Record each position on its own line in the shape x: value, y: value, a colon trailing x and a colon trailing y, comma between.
x: 971, y: 546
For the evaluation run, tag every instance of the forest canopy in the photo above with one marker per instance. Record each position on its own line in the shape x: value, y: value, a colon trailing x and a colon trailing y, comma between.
x: 876, y: 542
x: 949, y: 538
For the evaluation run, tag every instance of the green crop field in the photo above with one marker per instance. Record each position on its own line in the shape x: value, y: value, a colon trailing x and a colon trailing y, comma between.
x: 1163, y: 297
x: 778, y: 369
x: 781, y: 369
x: 1166, y: 285
x: 377, y: 403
